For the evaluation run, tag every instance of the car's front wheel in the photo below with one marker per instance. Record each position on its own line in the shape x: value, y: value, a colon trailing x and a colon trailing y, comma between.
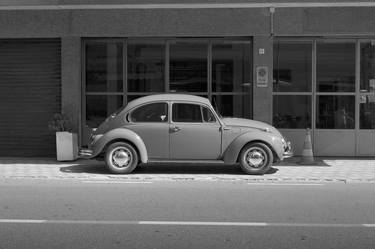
x: 121, y: 158
x: 255, y: 158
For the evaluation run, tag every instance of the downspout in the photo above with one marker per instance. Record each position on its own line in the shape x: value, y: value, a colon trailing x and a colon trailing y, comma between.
x: 272, y: 11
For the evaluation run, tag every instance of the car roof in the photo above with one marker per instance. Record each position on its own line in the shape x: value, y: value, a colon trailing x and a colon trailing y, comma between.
x: 166, y: 97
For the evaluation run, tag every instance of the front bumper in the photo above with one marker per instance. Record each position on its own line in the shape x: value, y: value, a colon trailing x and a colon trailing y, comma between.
x: 288, y: 152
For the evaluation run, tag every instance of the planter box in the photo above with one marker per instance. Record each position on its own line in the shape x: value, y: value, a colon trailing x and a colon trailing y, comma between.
x: 66, y: 146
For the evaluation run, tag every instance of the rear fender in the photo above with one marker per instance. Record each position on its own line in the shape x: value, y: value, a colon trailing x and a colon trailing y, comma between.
x: 118, y: 135
x: 233, y: 150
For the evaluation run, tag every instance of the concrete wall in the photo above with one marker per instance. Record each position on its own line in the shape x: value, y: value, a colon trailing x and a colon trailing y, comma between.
x: 317, y: 21
x: 134, y: 22
x: 262, y: 96
x: 71, y: 79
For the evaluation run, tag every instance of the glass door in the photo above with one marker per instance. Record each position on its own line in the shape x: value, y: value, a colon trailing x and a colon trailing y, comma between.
x: 366, y: 133
x: 335, y: 98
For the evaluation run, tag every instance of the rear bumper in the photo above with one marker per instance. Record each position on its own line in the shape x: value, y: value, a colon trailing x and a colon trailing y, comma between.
x: 85, y: 153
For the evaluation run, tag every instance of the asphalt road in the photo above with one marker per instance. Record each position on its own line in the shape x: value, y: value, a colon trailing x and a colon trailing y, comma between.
x: 185, y: 214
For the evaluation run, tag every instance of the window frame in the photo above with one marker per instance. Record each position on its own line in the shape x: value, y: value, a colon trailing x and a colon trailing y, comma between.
x: 314, y: 91
x: 167, y: 41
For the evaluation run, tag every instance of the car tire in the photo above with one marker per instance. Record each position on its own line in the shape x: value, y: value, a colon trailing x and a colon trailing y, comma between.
x: 121, y: 158
x: 255, y: 158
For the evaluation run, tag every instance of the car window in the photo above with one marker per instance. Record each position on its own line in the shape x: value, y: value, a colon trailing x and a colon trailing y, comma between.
x: 186, y: 113
x: 156, y: 112
x: 208, y: 116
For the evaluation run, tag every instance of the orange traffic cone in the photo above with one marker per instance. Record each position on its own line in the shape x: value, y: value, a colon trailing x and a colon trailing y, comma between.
x: 307, y: 153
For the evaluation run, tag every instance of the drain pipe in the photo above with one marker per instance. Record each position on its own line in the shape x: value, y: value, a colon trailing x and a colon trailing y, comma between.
x: 272, y: 11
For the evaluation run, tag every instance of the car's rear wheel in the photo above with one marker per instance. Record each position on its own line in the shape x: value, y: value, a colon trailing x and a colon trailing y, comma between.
x: 121, y: 158
x: 256, y: 158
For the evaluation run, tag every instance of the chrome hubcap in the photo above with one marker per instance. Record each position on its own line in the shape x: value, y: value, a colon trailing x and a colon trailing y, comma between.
x: 121, y: 157
x: 255, y: 157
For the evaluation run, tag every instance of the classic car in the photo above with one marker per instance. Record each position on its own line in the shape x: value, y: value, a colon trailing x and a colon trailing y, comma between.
x: 183, y: 128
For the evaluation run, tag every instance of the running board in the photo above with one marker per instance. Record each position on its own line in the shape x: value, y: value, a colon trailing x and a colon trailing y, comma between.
x: 187, y: 161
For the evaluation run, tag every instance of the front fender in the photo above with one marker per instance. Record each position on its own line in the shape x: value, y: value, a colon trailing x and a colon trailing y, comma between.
x: 118, y: 135
x: 234, y: 148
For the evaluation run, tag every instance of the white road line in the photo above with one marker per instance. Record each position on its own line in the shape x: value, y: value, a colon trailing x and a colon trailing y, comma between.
x: 187, y: 223
x: 123, y: 182
x: 287, y: 184
x: 21, y: 221
x: 369, y: 225
x: 203, y: 223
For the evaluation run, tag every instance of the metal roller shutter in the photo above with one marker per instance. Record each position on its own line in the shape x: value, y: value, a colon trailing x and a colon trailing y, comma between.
x: 30, y: 93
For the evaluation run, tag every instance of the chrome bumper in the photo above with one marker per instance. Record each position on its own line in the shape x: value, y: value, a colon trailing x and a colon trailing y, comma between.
x: 288, y: 152
x: 85, y: 153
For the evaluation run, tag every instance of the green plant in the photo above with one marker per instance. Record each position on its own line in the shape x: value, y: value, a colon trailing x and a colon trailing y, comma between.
x: 60, y: 122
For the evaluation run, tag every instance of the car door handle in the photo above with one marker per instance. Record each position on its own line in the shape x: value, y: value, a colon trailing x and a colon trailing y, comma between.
x: 174, y: 129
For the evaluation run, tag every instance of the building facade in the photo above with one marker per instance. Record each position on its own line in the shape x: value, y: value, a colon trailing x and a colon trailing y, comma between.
x: 294, y: 65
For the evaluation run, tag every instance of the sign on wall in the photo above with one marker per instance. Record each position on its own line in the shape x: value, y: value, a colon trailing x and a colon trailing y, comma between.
x: 262, y: 76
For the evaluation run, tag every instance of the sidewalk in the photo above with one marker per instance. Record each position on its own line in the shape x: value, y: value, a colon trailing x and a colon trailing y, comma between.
x: 326, y: 170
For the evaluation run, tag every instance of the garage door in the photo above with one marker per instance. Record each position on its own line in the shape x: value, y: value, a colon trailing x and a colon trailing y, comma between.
x: 30, y: 92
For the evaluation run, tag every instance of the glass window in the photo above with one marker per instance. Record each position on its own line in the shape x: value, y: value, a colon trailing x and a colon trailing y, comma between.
x: 99, y: 107
x: 208, y: 116
x: 292, y: 112
x: 104, y: 67
x: 231, y: 67
x: 292, y: 64
x: 188, y: 67
x: 335, y: 69
x: 186, y: 113
x: 335, y: 112
x: 367, y: 112
x: 367, y: 67
x: 146, y: 67
x: 233, y: 105
x: 156, y: 112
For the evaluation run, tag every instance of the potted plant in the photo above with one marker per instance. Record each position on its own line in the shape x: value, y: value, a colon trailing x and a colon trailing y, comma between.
x: 66, y: 141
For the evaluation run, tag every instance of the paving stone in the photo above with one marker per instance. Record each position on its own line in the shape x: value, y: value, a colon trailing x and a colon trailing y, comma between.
x: 326, y: 170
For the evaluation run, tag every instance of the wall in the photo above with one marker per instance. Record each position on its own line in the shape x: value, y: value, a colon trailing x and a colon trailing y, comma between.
x: 262, y: 96
x: 71, y: 79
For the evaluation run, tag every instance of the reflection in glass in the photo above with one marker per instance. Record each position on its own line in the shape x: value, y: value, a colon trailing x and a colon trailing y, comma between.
x: 104, y: 67
x: 231, y: 67
x: 367, y: 112
x: 188, y: 67
x: 335, y: 69
x: 146, y: 67
x: 239, y: 106
x: 367, y: 67
x: 99, y: 107
x: 335, y: 112
x: 292, y: 66
x: 292, y: 111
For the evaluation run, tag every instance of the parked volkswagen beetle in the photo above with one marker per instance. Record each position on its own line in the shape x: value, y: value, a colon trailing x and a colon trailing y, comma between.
x: 183, y: 128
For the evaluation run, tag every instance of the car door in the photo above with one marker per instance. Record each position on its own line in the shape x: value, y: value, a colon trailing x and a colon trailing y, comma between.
x: 194, y: 133
x: 150, y: 122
